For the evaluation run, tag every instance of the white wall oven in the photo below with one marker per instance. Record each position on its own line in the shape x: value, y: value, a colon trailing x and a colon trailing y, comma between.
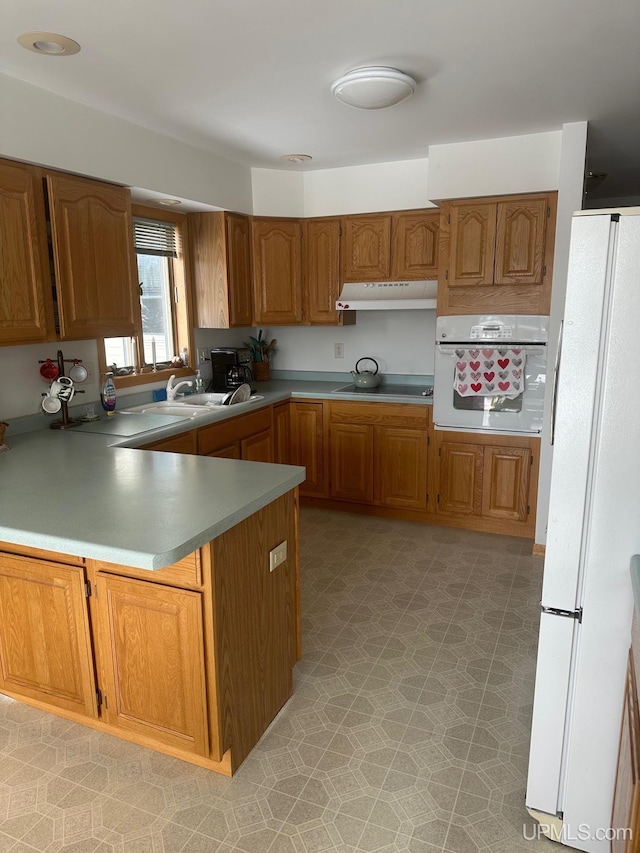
x: 490, y: 373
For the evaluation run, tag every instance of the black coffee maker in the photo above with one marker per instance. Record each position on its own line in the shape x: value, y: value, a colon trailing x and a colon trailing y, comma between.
x: 230, y: 368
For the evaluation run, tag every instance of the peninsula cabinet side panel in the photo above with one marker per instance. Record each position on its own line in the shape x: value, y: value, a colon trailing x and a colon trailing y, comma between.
x: 152, y: 652
x: 255, y: 624
x: 45, y: 647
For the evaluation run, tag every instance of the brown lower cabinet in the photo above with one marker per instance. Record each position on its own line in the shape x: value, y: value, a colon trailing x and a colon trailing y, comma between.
x: 489, y: 481
x: 307, y: 425
x: 193, y: 660
x: 626, y: 800
x: 385, y: 458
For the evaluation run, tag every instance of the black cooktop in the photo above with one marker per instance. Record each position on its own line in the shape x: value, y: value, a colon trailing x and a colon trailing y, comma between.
x: 389, y: 390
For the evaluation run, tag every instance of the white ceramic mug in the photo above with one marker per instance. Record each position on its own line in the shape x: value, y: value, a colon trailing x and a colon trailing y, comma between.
x: 62, y: 388
x: 51, y: 405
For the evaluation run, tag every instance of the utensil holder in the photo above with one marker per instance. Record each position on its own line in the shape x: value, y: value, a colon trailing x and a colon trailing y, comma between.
x: 261, y: 371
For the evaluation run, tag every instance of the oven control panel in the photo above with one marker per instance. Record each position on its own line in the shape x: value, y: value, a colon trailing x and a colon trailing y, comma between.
x: 491, y: 332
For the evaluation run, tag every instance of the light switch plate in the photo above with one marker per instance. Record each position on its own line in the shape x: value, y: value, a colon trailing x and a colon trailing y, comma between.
x: 277, y: 555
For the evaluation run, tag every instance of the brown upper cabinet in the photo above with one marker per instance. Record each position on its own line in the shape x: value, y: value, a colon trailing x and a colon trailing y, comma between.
x: 496, y: 254
x: 277, y: 271
x: 321, y: 264
x: 414, y: 245
x: 95, y: 267
x: 399, y: 246
x: 220, y: 244
x: 26, y: 307
x: 95, y: 292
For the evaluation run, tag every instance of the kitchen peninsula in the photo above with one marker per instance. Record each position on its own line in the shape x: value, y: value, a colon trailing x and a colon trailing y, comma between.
x: 137, y: 593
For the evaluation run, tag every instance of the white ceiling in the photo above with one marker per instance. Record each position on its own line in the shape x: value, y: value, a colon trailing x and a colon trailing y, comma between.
x: 249, y: 79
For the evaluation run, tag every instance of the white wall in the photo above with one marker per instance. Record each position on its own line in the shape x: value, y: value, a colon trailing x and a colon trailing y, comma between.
x: 21, y: 385
x: 400, y: 341
x: 366, y: 189
x: 40, y: 127
x: 570, y: 186
x: 351, y: 189
x: 515, y: 164
x: 277, y: 193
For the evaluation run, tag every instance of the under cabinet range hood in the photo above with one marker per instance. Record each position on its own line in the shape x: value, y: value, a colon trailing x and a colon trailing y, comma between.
x: 386, y: 295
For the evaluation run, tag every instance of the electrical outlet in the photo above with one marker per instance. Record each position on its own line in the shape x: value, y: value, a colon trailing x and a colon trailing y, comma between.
x: 338, y: 350
x: 203, y: 355
x: 277, y: 555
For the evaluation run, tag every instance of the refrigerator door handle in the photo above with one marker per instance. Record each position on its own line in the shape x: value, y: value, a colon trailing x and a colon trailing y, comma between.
x: 556, y: 379
x: 558, y: 611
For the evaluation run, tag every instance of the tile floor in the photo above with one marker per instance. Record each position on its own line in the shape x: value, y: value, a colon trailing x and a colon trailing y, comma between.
x: 408, y: 729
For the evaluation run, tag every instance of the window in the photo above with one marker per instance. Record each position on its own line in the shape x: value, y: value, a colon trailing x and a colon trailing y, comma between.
x: 163, y: 321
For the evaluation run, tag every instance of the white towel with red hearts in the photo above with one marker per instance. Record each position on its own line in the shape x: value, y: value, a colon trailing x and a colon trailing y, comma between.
x: 489, y: 372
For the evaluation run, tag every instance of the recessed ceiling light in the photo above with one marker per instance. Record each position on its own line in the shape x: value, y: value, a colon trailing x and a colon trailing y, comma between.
x: 373, y: 88
x: 50, y: 44
x: 296, y: 158
x: 165, y: 202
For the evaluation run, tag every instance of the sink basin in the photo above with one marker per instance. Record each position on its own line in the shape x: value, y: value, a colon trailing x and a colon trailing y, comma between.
x: 194, y: 406
x: 204, y: 399
x: 164, y: 407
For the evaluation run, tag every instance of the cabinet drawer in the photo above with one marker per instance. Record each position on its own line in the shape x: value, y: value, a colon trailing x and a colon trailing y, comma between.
x: 381, y: 414
x: 186, y: 572
x: 41, y: 554
x: 183, y: 443
x: 211, y: 438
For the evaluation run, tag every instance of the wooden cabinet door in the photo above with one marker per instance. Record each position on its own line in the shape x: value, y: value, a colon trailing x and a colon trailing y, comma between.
x: 401, y: 467
x: 45, y: 647
x: 183, y: 443
x: 520, y: 241
x: 231, y: 451
x: 366, y: 247
x: 152, y: 650
x: 281, y: 434
x: 307, y: 445
x: 352, y: 462
x: 238, y: 234
x: 626, y: 798
x: 257, y: 448
x: 414, y: 250
x: 505, y: 483
x: 96, y: 275
x: 322, y: 271
x: 277, y: 271
x: 26, y: 304
x: 460, y: 478
x: 472, y: 244
x: 220, y: 249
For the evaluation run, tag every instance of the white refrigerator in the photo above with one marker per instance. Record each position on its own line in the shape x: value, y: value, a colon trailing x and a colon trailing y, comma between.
x: 593, y: 531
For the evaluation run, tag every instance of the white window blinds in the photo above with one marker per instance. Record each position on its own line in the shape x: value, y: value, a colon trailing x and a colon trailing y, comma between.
x: 153, y: 237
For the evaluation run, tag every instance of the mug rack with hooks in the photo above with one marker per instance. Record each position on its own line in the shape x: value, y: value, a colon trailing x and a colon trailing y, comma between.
x: 66, y: 421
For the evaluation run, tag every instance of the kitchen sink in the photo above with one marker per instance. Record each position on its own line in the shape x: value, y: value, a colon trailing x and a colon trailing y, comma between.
x: 193, y: 406
x: 164, y: 407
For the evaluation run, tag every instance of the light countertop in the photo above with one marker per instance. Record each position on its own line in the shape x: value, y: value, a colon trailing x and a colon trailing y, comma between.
x: 99, y: 496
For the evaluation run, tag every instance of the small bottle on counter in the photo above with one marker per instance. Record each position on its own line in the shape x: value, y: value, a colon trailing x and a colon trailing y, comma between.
x: 108, y: 393
x: 199, y: 383
x: 184, y: 356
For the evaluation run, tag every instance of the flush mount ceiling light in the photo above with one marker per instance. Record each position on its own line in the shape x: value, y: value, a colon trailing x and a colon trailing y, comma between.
x: 296, y: 158
x: 373, y: 88
x: 50, y: 44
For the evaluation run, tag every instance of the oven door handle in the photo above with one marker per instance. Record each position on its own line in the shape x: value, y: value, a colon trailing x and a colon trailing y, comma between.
x: 554, y: 390
x: 450, y: 349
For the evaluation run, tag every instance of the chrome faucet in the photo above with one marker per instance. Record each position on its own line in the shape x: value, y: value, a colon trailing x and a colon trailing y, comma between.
x: 172, y: 389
